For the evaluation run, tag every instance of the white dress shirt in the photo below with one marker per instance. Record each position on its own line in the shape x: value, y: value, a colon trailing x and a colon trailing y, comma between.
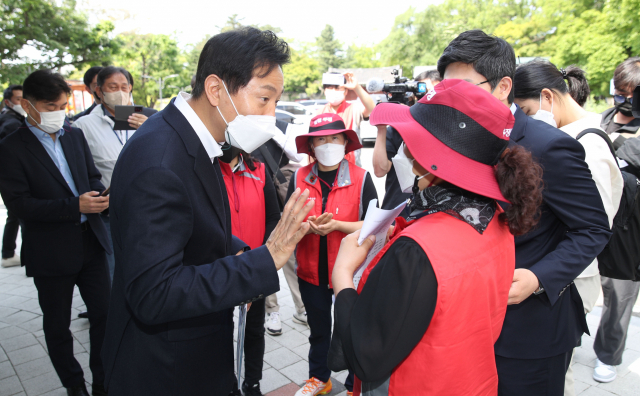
x: 210, y: 145
x: 604, y: 171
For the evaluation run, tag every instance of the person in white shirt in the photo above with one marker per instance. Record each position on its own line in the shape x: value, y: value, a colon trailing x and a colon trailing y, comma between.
x: 556, y: 96
x: 113, y: 89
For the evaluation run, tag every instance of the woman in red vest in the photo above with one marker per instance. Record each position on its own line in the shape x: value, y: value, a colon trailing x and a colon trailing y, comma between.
x: 431, y: 305
x: 341, y: 191
x: 254, y: 214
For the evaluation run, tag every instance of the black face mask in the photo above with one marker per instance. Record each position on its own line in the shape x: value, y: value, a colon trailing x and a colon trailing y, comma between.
x: 229, y: 152
x: 625, y: 108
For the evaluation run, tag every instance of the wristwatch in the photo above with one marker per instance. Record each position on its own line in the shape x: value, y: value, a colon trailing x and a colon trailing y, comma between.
x: 539, y: 290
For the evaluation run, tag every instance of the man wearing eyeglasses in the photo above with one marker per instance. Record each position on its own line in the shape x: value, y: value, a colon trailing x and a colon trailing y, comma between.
x: 618, y: 120
x: 619, y: 295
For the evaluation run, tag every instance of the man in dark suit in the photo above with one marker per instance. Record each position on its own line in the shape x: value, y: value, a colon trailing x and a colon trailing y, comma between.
x: 49, y: 181
x: 178, y: 276
x: 545, y: 318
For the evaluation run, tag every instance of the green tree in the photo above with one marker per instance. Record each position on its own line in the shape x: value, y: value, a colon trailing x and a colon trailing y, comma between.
x: 302, y: 74
x: 60, y: 34
x: 155, y: 55
x: 328, y: 49
x: 361, y: 57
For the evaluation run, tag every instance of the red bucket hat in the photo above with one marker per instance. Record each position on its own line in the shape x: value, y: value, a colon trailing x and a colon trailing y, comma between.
x: 458, y: 132
x: 324, y: 125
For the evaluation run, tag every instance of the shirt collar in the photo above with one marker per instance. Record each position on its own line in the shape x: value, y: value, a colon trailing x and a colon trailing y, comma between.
x: 513, y: 108
x: 40, y: 133
x: 209, y: 143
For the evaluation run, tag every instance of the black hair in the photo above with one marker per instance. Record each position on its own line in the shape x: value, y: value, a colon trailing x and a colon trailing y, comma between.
x: 432, y: 75
x: 531, y: 78
x: 236, y: 55
x: 8, y: 93
x: 130, y: 78
x: 490, y: 56
x: 110, y: 71
x: 90, y: 74
x: 627, y: 75
x: 44, y: 85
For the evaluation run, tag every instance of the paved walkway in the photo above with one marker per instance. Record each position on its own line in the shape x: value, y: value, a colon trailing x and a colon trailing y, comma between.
x: 25, y: 368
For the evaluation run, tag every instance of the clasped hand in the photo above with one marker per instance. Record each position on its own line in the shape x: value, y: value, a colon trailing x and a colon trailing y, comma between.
x: 322, y: 225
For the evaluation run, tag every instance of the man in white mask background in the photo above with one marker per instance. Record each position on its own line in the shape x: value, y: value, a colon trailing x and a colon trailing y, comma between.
x: 113, y: 88
x: 10, y: 120
x: 351, y: 113
x: 179, y: 271
x: 49, y: 181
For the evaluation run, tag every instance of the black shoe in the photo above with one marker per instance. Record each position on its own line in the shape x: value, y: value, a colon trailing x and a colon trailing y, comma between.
x: 251, y: 390
x: 83, y: 315
x: 77, y: 391
x: 98, y: 390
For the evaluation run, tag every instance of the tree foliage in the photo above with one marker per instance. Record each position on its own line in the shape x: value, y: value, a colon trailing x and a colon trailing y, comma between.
x: 57, y: 33
x: 328, y: 49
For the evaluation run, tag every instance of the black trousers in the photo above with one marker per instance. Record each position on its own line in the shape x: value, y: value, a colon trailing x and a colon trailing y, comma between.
x: 532, y: 377
x: 10, y: 234
x: 55, y: 295
x: 254, y: 343
x: 318, y: 301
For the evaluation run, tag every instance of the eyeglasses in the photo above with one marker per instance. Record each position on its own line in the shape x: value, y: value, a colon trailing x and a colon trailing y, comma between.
x: 622, y: 99
x: 480, y: 83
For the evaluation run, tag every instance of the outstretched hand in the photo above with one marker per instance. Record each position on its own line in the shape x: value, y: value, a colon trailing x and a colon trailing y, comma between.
x: 290, y: 229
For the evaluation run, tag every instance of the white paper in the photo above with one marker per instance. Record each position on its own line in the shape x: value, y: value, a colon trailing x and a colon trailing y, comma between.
x: 376, y: 222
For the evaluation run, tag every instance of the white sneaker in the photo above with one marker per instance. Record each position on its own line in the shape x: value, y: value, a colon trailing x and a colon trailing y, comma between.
x: 11, y: 262
x: 314, y: 386
x: 300, y: 318
x: 604, y: 372
x: 274, y: 327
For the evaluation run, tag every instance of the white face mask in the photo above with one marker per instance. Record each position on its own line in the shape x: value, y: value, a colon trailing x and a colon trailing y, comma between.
x: 18, y: 109
x: 403, y: 167
x: 329, y: 154
x: 248, y: 132
x: 113, y: 99
x: 334, y: 97
x: 545, y: 116
x: 51, y: 121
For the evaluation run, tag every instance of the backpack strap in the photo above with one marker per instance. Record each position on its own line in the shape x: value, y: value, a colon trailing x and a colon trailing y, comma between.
x: 604, y: 136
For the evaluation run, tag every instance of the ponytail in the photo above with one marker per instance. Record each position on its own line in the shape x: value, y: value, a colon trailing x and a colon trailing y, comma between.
x: 577, y: 84
x: 520, y: 181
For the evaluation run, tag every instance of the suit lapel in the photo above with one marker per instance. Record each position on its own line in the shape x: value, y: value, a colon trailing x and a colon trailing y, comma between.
x: 519, y: 127
x: 39, y: 152
x: 70, y: 155
x: 209, y: 174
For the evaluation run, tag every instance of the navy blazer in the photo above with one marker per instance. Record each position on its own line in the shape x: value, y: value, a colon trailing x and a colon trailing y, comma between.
x: 177, y: 277
x: 573, y: 229
x: 33, y: 188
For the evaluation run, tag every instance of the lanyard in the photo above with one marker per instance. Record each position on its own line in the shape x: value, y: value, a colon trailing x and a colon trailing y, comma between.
x: 327, y: 184
x: 120, y: 140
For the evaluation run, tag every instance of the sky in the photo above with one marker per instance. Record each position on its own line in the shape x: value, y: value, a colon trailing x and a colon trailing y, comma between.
x: 355, y: 21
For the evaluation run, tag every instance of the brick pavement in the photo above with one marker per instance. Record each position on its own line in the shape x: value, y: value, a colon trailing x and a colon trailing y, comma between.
x: 25, y: 368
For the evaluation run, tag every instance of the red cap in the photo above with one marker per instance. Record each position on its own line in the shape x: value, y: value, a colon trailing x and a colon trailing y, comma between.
x: 324, y: 125
x: 457, y: 131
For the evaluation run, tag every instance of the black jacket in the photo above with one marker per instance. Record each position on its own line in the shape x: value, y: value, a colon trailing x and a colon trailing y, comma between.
x: 177, y: 277
x: 33, y: 188
x: 573, y: 229
x: 9, y: 122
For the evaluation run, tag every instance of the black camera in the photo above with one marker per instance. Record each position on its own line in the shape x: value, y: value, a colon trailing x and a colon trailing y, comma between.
x: 400, y: 90
x: 635, y: 109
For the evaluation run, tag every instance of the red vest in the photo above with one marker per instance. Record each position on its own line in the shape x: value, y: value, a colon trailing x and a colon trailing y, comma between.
x: 344, y: 201
x: 245, y: 189
x: 474, y: 272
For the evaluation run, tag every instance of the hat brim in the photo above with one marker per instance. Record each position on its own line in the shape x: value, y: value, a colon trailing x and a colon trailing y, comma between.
x: 435, y: 156
x: 303, y: 145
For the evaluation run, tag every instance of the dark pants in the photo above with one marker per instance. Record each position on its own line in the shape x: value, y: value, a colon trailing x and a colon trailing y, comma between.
x: 111, y: 258
x: 55, y: 295
x: 318, y: 302
x: 254, y: 343
x: 532, y: 377
x: 10, y: 234
x: 611, y: 338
